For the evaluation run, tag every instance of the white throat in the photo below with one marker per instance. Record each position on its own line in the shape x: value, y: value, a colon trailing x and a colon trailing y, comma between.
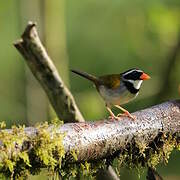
x: 137, y: 84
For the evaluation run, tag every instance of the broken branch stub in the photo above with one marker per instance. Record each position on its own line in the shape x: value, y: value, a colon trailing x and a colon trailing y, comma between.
x: 46, y: 73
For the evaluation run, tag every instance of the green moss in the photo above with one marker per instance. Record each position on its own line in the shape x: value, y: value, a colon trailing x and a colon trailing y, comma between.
x: 2, y: 125
x: 10, y: 153
x: 140, y: 154
x: 74, y: 154
x: 45, y: 150
x: 83, y: 169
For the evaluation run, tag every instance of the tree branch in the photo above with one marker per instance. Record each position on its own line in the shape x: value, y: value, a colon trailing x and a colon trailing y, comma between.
x: 95, y: 140
x: 46, y: 73
x: 143, y: 142
x: 152, y: 174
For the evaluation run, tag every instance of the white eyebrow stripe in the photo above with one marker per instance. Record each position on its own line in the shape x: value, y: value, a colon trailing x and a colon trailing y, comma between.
x: 132, y: 71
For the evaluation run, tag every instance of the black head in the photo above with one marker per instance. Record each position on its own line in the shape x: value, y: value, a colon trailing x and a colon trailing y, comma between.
x: 133, y: 79
x: 132, y: 74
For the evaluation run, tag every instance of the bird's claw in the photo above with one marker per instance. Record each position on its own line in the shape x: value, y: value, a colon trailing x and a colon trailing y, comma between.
x: 114, y: 118
x: 127, y: 114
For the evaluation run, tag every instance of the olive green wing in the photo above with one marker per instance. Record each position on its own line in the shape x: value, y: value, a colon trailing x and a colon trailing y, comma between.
x: 112, y: 81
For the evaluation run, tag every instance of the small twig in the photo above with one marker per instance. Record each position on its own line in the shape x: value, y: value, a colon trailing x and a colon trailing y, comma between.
x: 152, y: 174
x: 108, y: 174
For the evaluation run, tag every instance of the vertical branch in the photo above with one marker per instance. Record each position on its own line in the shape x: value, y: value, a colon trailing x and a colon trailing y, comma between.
x: 108, y: 174
x: 152, y: 174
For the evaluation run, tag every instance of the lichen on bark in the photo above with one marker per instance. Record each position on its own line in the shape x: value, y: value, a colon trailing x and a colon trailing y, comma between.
x: 22, y: 154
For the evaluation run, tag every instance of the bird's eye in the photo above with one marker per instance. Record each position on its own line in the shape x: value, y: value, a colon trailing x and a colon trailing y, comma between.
x: 136, y: 74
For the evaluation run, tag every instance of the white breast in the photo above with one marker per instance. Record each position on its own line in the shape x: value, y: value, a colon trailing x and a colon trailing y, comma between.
x: 116, y: 96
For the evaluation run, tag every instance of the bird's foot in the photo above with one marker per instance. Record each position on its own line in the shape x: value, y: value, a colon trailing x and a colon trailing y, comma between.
x: 113, y: 117
x: 127, y: 114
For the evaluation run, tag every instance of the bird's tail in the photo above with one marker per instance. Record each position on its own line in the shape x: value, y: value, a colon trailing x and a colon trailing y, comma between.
x: 86, y: 75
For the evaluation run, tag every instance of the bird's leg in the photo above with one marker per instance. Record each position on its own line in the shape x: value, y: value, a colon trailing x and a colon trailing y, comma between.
x: 126, y: 113
x: 112, y: 115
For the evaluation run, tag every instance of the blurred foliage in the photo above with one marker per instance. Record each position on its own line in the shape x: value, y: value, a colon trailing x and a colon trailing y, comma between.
x: 113, y: 37
x: 101, y: 37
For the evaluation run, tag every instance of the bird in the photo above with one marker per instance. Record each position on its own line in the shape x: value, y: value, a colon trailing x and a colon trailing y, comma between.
x: 117, y: 89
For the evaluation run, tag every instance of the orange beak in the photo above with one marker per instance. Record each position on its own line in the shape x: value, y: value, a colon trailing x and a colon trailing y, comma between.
x: 144, y: 76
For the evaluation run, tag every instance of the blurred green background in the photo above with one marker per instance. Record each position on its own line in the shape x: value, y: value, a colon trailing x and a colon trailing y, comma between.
x: 99, y: 37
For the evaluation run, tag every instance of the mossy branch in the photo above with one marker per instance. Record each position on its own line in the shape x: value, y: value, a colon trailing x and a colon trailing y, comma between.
x: 95, y: 140
x: 141, y: 143
x: 46, y: 73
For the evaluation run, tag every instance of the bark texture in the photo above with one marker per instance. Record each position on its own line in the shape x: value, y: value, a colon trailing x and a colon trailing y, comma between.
x: 46, y: 73
x: 97, y: 140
